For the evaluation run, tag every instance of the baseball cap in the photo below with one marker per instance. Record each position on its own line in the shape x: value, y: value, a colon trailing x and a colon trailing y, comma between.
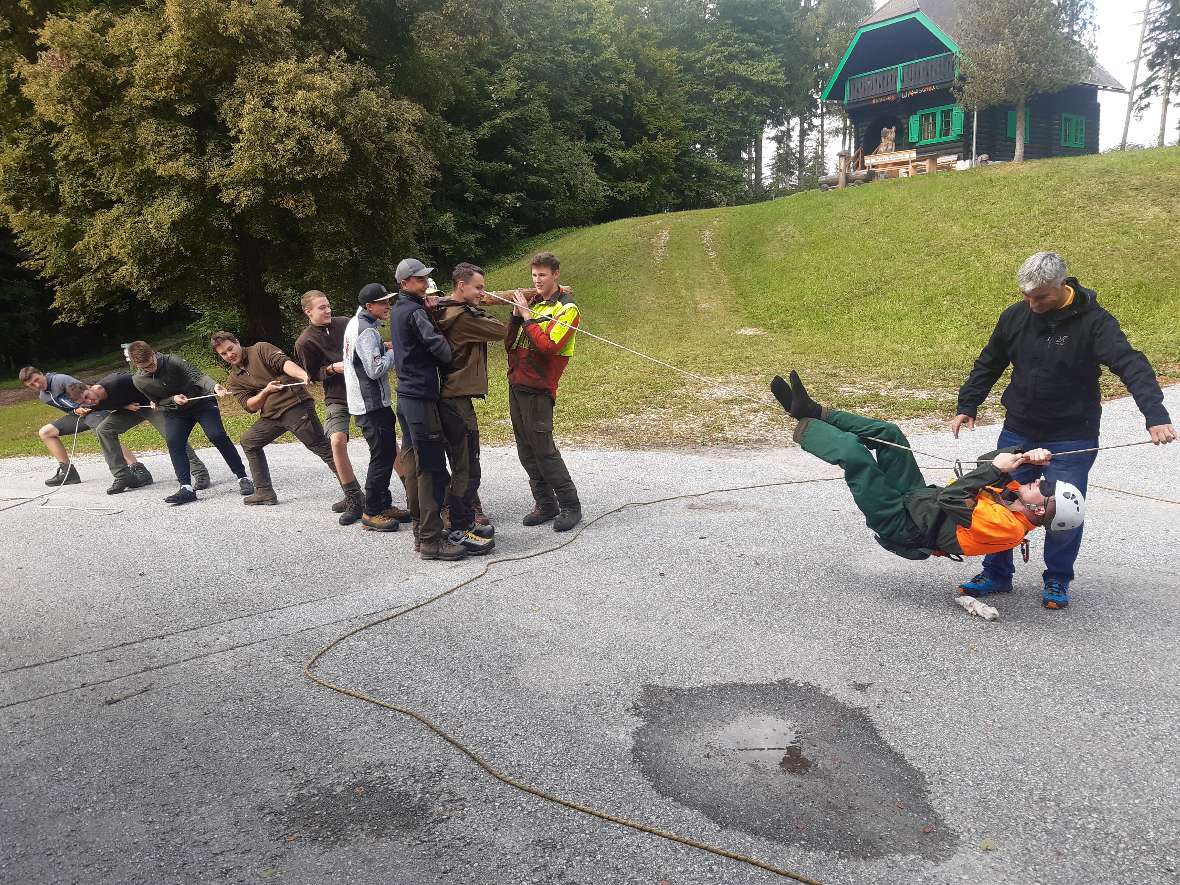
x: 373, y: 292
x: 411, y: 267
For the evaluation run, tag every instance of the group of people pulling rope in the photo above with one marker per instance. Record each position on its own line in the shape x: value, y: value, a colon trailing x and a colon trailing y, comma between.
x: 1056, y: 339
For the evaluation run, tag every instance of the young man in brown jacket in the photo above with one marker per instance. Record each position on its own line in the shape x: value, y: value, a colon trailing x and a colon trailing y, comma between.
x: 257, y: 378
x: 468, y: 329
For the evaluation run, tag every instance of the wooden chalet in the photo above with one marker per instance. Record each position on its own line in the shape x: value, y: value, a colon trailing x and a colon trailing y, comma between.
x: 897, y: 73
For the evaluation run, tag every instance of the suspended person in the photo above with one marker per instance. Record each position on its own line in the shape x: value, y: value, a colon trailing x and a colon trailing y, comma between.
x: 468, y: 330
x: 1056, y: 340
x: 170, y: 382
x: 127, y: 407
x: 983, y: 512
x: 320, y: 350
x: 366, y: 363
x: 540, y: 342
x: 420, y: 351
x: 50, y: 388
x: 265, y: 380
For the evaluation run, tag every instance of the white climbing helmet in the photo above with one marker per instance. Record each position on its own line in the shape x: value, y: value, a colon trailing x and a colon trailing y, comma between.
x: 1070, y: 506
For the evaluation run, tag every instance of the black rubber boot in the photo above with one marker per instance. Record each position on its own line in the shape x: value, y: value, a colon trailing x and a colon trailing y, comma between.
x: 802, y: 405
x: 782, y: 392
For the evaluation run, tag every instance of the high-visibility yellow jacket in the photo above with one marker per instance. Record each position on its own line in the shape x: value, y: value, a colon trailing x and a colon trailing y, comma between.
x: 540, y: 348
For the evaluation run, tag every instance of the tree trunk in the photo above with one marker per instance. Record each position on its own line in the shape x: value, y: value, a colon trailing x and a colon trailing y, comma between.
x: 1019, y: 155
x: 758, y: 163
x: 1167, y: 93
x: 264, y: 319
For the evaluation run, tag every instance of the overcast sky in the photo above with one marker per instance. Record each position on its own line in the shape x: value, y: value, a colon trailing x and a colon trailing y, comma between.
x: 1119, y: 22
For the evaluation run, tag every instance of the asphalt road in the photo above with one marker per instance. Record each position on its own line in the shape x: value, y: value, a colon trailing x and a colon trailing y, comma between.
x: 745, y: 668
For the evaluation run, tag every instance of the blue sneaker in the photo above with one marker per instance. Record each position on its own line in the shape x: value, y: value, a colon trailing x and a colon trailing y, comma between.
x: 984, y: 584
x: 1055, y: 594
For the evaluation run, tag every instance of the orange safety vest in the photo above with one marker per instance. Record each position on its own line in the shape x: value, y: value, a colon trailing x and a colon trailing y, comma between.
x: 994, y: 528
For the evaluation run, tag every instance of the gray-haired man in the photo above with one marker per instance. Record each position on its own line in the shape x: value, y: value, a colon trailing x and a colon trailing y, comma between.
x: 1056, y: 341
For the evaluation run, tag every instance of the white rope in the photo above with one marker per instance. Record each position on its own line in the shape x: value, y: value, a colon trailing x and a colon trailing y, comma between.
x: 44, y: 498
x: 189, y: 399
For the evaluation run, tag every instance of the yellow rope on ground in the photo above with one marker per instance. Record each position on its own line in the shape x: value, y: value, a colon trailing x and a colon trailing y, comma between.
x: 309, y: 672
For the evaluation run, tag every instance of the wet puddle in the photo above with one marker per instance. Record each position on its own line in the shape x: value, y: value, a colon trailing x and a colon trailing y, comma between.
x: 786, y: 761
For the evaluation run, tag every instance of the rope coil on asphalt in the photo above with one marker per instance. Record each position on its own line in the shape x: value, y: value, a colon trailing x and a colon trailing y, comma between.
x: 480, y: 760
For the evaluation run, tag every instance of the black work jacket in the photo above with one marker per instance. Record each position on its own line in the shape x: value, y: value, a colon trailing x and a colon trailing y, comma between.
x: 419, y: 349
x: 1056, y: 361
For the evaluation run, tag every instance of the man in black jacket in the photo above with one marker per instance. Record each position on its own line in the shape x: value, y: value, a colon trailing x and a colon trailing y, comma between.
x: 1056, y: 341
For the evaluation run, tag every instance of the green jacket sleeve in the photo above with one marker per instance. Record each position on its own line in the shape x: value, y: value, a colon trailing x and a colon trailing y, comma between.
x: 957, y: 500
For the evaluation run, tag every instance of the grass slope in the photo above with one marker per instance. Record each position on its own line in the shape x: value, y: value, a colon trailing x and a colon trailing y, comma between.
x: 882, y: 294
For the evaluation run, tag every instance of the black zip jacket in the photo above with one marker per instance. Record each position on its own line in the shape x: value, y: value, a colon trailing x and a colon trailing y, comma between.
x: 419, y: 349
x: 1056, y: 361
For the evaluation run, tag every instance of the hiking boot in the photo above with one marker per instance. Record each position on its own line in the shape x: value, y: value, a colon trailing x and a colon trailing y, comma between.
x: 567, y: 518
x: 181, y: 496
x: 121, y: 485
x: 67, y: 475
x: 262, y: 496
x: 441, y: 549
x: 201, y: 481
x: 354, y: 510
x: 471, y: 542
x: 341, y: 505
x: 802, y: 405
x: 140, y: 476
x: 379, y: 523
x: 984, y: 584
x: 480, y: 519
x: 540, y: 514
x: 482, y: 531
x: 245, y: 486
x: 1055, y: 594
x: 398, y: 513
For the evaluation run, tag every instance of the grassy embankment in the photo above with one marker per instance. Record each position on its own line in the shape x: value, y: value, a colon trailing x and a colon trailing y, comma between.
x: 882, y: 295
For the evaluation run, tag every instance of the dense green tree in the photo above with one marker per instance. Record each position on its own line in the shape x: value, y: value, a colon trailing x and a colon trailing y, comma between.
x: 1013, y: 49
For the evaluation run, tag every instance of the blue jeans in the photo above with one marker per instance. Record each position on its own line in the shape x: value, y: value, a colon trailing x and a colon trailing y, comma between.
x: 178, y: 424
x: 1061, y: 548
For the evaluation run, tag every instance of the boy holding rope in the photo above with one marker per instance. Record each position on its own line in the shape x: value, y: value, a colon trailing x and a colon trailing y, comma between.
x: 170, y: 383
x: 260, y: 378
x: 980, y: 513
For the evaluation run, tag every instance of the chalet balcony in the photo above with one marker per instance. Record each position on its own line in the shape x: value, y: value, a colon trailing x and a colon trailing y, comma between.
x: 900, y: 81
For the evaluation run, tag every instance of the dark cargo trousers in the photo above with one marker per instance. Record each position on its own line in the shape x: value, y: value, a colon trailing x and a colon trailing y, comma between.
x: 878, y: 485
x: 461, y: 437
x: 424, y: 458
x: 302, y: 422
x: 119, y: 422
x: 378, y: 429
x: 532, y: 425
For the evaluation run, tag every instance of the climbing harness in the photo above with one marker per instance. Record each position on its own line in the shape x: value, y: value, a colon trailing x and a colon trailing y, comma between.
x: 309, y: 670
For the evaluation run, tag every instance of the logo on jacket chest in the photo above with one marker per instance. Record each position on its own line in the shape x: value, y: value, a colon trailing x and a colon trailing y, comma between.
x: 1059, y: 341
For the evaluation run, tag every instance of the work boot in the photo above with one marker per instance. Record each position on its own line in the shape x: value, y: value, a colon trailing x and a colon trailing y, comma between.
x: 262, y: 496
x: 245, y: 486
x: 402, y: 516
x: 782, y: 392
x: 482, y: 531
x: 567, y: 518
x: 471, y: 542
x: 341, y: 505
x: 355, y: 508
x: 181, y: 496
x: 984, y: 584
x: 201, y: 481
x: 480, y: 518
x: 67, y: 475
x: 802, y: 405
x: 1055, y: 594
x: 540, y: 514
x: 379, y: 523
x: 140, y: 476
x: 120, y: 485
x: 441, y: 549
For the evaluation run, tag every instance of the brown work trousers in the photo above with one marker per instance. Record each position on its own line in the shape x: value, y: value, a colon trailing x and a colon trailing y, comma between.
x: 301, y: 421
x: 532, y: 425
x: 461, y: 437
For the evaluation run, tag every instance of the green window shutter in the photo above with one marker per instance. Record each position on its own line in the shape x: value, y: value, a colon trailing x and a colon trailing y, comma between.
x: 1012, y: 124
x: 915, y: 128
x: 1027, y: 124
x: 956, y: 121
x: 1073, y: 131
x: 1080, y: 132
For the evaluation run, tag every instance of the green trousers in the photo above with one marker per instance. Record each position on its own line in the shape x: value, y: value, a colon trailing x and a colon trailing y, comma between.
x: 119, y: 422
x: 878, y: 485
x: 532, y: 425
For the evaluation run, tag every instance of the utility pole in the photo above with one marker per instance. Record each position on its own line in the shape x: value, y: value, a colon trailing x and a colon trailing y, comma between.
x: 1135, y: 75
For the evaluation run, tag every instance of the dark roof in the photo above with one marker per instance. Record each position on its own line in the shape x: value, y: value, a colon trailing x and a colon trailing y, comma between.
x: 945, y: 14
